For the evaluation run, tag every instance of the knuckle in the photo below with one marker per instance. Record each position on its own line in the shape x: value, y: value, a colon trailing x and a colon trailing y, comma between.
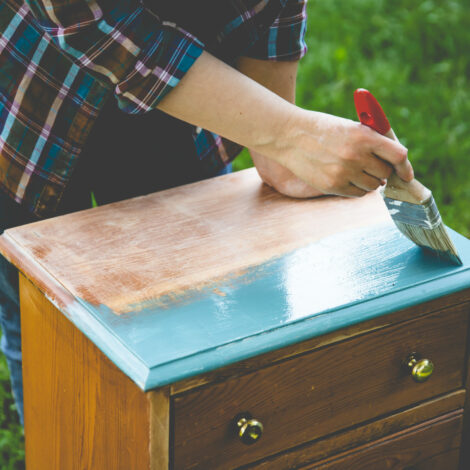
x: 339, y: 172
x: 401, y: 156
x: 352, y: 155
x: 338, y: 181
x: 334, y: 184
x: 360, y: 134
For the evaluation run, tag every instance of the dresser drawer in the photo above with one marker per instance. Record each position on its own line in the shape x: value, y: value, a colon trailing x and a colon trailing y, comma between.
x: 433, y: 445
x: 318, y: 393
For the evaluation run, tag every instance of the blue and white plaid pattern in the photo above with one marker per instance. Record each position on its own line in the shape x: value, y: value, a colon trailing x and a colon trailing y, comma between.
x: 60, y: 60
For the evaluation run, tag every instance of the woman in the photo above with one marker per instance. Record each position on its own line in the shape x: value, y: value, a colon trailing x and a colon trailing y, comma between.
x: 126, y: 97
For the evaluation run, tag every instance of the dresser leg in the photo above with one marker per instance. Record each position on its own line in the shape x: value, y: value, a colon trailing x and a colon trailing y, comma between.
x: 81, y: 412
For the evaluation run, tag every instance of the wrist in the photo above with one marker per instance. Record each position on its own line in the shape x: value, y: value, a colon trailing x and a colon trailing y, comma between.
x: 288, y: 134
x: 281, y: 131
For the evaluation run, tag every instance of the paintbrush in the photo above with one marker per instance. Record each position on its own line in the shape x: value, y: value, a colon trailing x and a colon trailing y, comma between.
x: 411, y: 205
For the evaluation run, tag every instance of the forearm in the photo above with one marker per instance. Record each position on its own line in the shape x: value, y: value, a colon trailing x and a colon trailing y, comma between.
x: 280, y: 77
x: 219, y: 98
x: 331, y: 154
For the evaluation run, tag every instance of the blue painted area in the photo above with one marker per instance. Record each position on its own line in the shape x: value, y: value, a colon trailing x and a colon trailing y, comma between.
x: 341, y: 280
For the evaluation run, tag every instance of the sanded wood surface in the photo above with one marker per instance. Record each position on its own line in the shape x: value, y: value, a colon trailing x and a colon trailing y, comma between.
x: 433, y: 445
x: 81, y: 412
x: 123, y: 254
x: 245, y: 271
x: 344, y: 441
x: 318, y: 393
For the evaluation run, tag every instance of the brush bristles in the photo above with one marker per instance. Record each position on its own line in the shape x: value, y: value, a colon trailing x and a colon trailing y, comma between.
x: 422, y: 224
x: 436, y: 239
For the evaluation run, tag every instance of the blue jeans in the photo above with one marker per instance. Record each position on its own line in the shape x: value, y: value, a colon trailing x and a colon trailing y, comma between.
x: 11, y: 215
x: 179, y: 165
x: 11, y: 340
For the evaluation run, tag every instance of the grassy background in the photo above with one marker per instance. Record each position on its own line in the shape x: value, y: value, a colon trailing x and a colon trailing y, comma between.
x: 413, y: 57
x: 11, y: 436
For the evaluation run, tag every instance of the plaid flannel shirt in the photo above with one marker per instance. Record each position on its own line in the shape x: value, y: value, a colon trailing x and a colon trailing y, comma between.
x: 61, y: 60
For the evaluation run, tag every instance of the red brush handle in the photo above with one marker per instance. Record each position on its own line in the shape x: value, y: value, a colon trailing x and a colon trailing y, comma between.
x: 370, y: 112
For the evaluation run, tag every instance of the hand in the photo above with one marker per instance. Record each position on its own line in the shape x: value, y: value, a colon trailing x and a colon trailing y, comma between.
x: 281, y: 179
x: 336, y: 155
x: 331, y: 154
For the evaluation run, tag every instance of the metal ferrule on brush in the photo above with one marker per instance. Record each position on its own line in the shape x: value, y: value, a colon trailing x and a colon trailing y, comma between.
x: 410, y: 204
x: 425, y: 215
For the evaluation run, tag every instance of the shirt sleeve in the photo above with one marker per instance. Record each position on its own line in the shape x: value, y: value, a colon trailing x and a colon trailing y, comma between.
x: 285, y: 38
x: 123, y: 44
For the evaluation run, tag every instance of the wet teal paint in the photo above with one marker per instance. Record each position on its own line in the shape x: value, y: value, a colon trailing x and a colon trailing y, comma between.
x: 341, y: 280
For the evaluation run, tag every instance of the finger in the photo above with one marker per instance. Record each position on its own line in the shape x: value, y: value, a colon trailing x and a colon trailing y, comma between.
x: 351, y: 191
x: 381, y: 181
x: 377, y: 167
x: 366, y: 182
x: 394, y: 153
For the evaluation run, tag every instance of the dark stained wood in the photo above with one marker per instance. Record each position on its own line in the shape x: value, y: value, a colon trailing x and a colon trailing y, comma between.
x: 465, y: 448
x: 211, y: 229
x: 459, y: 301
x: 433, y: 445
x: 358, y: 436
x: 318, y: 393
x: 81, y: 412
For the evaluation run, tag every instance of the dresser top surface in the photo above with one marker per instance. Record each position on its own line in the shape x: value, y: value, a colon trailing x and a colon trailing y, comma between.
x: 183, y: 281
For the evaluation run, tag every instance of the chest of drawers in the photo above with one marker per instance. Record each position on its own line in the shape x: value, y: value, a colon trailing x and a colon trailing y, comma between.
x: 221, y: 326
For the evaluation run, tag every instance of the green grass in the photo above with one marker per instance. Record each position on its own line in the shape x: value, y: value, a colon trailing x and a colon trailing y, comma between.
x: 11, y: 436
x: 413, y: 55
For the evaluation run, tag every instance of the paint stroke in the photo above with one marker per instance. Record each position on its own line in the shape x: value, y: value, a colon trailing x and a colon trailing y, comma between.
x: 341, y: 280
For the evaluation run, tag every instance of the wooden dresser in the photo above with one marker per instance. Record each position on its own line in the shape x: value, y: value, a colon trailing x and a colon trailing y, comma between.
x: 221, y: 326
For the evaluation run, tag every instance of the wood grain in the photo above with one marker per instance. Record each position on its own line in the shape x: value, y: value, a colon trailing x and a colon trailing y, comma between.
x: 183, y: 237
x: 433, y: 445
x: 318, y: 393
x: 451, y: 303
x: 81, y: 412
x: 465, y: 448
x: 352, y: 438
x: 159, y: 429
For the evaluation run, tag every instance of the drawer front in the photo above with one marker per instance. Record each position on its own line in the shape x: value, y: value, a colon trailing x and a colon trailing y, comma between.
x: 318, y: 393
x: 434, y: 445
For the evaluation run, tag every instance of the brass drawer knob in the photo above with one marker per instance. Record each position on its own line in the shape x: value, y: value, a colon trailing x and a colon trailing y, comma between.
x: 249, y: 429
x: 420, y: 368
